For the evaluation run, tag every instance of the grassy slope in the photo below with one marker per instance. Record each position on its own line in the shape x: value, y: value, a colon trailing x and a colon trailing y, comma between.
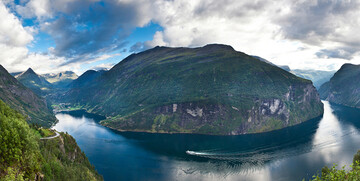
x: 24, y: 100
x: 214, y: 74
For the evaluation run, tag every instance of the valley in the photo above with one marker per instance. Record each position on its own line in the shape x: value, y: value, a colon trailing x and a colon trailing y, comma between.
x: 279, y: 104
x: 179, y: 90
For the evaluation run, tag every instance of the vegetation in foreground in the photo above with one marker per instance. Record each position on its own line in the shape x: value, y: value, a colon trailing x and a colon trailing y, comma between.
x: 23, y: 156
x: 341, y: 174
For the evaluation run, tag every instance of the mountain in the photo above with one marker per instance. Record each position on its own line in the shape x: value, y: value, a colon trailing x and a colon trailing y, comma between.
x: 208, y: 90
x: 318, y: 77
x: 22, y: 99
x: 61, y: 79
x: 34, y: 81
x: 344, y: 87
x: 15, y: 73
x: 24, y: 156
x: 86, y: 78
x: 284, y: 67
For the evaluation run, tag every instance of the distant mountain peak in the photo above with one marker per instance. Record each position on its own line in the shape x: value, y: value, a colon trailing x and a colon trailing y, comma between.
x: 218, y: 47
x: 17, y: 96
x: 2, y: 68
x: 33, y: 81
x: 30, y: 71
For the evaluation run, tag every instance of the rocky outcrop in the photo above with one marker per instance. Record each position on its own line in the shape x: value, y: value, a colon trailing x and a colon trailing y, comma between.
x: 204, y: 118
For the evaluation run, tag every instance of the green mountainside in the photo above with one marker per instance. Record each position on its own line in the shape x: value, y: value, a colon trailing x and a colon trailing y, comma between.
x: 61, y: 79
x: 35, y: 82
x: 22, y: 99
x: 344, y: 87
x: 23, y: 156
x: 209, y: 90
x: 86, y: 78
x: 318, y: 77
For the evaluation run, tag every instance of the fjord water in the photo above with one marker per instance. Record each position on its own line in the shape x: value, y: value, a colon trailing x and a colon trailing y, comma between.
x: 292, y: 153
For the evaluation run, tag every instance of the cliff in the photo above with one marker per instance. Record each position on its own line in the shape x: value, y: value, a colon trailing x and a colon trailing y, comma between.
x: 344, y: 87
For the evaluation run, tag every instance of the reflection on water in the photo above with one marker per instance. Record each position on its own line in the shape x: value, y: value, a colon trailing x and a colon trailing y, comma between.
x: 288, y: 154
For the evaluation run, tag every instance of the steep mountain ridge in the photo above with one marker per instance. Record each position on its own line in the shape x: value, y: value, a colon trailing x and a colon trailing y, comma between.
x: 86, y: 78
x: 35, y: 82
x: 209, y: 90
x: 344, y: 87
x: 22, y: 99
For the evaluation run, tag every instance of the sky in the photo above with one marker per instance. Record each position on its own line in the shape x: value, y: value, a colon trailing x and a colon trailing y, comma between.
x: 58, y: 35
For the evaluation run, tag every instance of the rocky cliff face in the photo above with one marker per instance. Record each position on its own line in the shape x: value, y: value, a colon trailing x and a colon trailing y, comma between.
x: 207, y: 118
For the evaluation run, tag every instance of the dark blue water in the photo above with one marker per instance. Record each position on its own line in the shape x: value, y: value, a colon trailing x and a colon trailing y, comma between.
x: 289, y: 154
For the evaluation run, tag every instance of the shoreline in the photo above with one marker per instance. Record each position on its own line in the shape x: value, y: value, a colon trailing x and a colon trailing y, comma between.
x: 318, y: 118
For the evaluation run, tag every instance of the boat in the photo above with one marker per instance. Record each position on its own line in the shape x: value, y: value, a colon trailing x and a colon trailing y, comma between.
x: 191, y: 152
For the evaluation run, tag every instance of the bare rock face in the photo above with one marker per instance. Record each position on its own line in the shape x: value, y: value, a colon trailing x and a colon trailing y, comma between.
x: 199, y: 117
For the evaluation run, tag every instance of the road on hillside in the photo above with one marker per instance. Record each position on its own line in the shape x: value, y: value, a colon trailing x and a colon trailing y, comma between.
x: 51, y: 137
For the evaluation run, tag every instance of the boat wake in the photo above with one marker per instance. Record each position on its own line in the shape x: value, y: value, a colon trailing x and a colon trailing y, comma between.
x: 198, y: 153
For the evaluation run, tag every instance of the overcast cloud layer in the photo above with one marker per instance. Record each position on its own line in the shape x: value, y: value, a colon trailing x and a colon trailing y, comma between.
x: 302, y: 34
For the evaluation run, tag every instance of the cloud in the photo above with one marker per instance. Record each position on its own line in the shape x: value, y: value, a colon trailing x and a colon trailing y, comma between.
x: 14, y: 38
x: 138, y: 47
x: 312, y: 20
x: 12, y: 33
x: 83, y: 32
x: 89, y: 58
x: 339, y: 53
x: 89, y: 26
x: 102, y: 66
x: 303, y: 34
x: 328, y: 24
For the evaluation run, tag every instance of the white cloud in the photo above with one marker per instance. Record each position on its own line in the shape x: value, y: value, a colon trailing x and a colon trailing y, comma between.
x: 102, y: 57
x: 35, y: 8
x: 12, y: 33
x: 284, y: 32
x: 318, y: 34
x: 102, y: 66
x: 14, y: 39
